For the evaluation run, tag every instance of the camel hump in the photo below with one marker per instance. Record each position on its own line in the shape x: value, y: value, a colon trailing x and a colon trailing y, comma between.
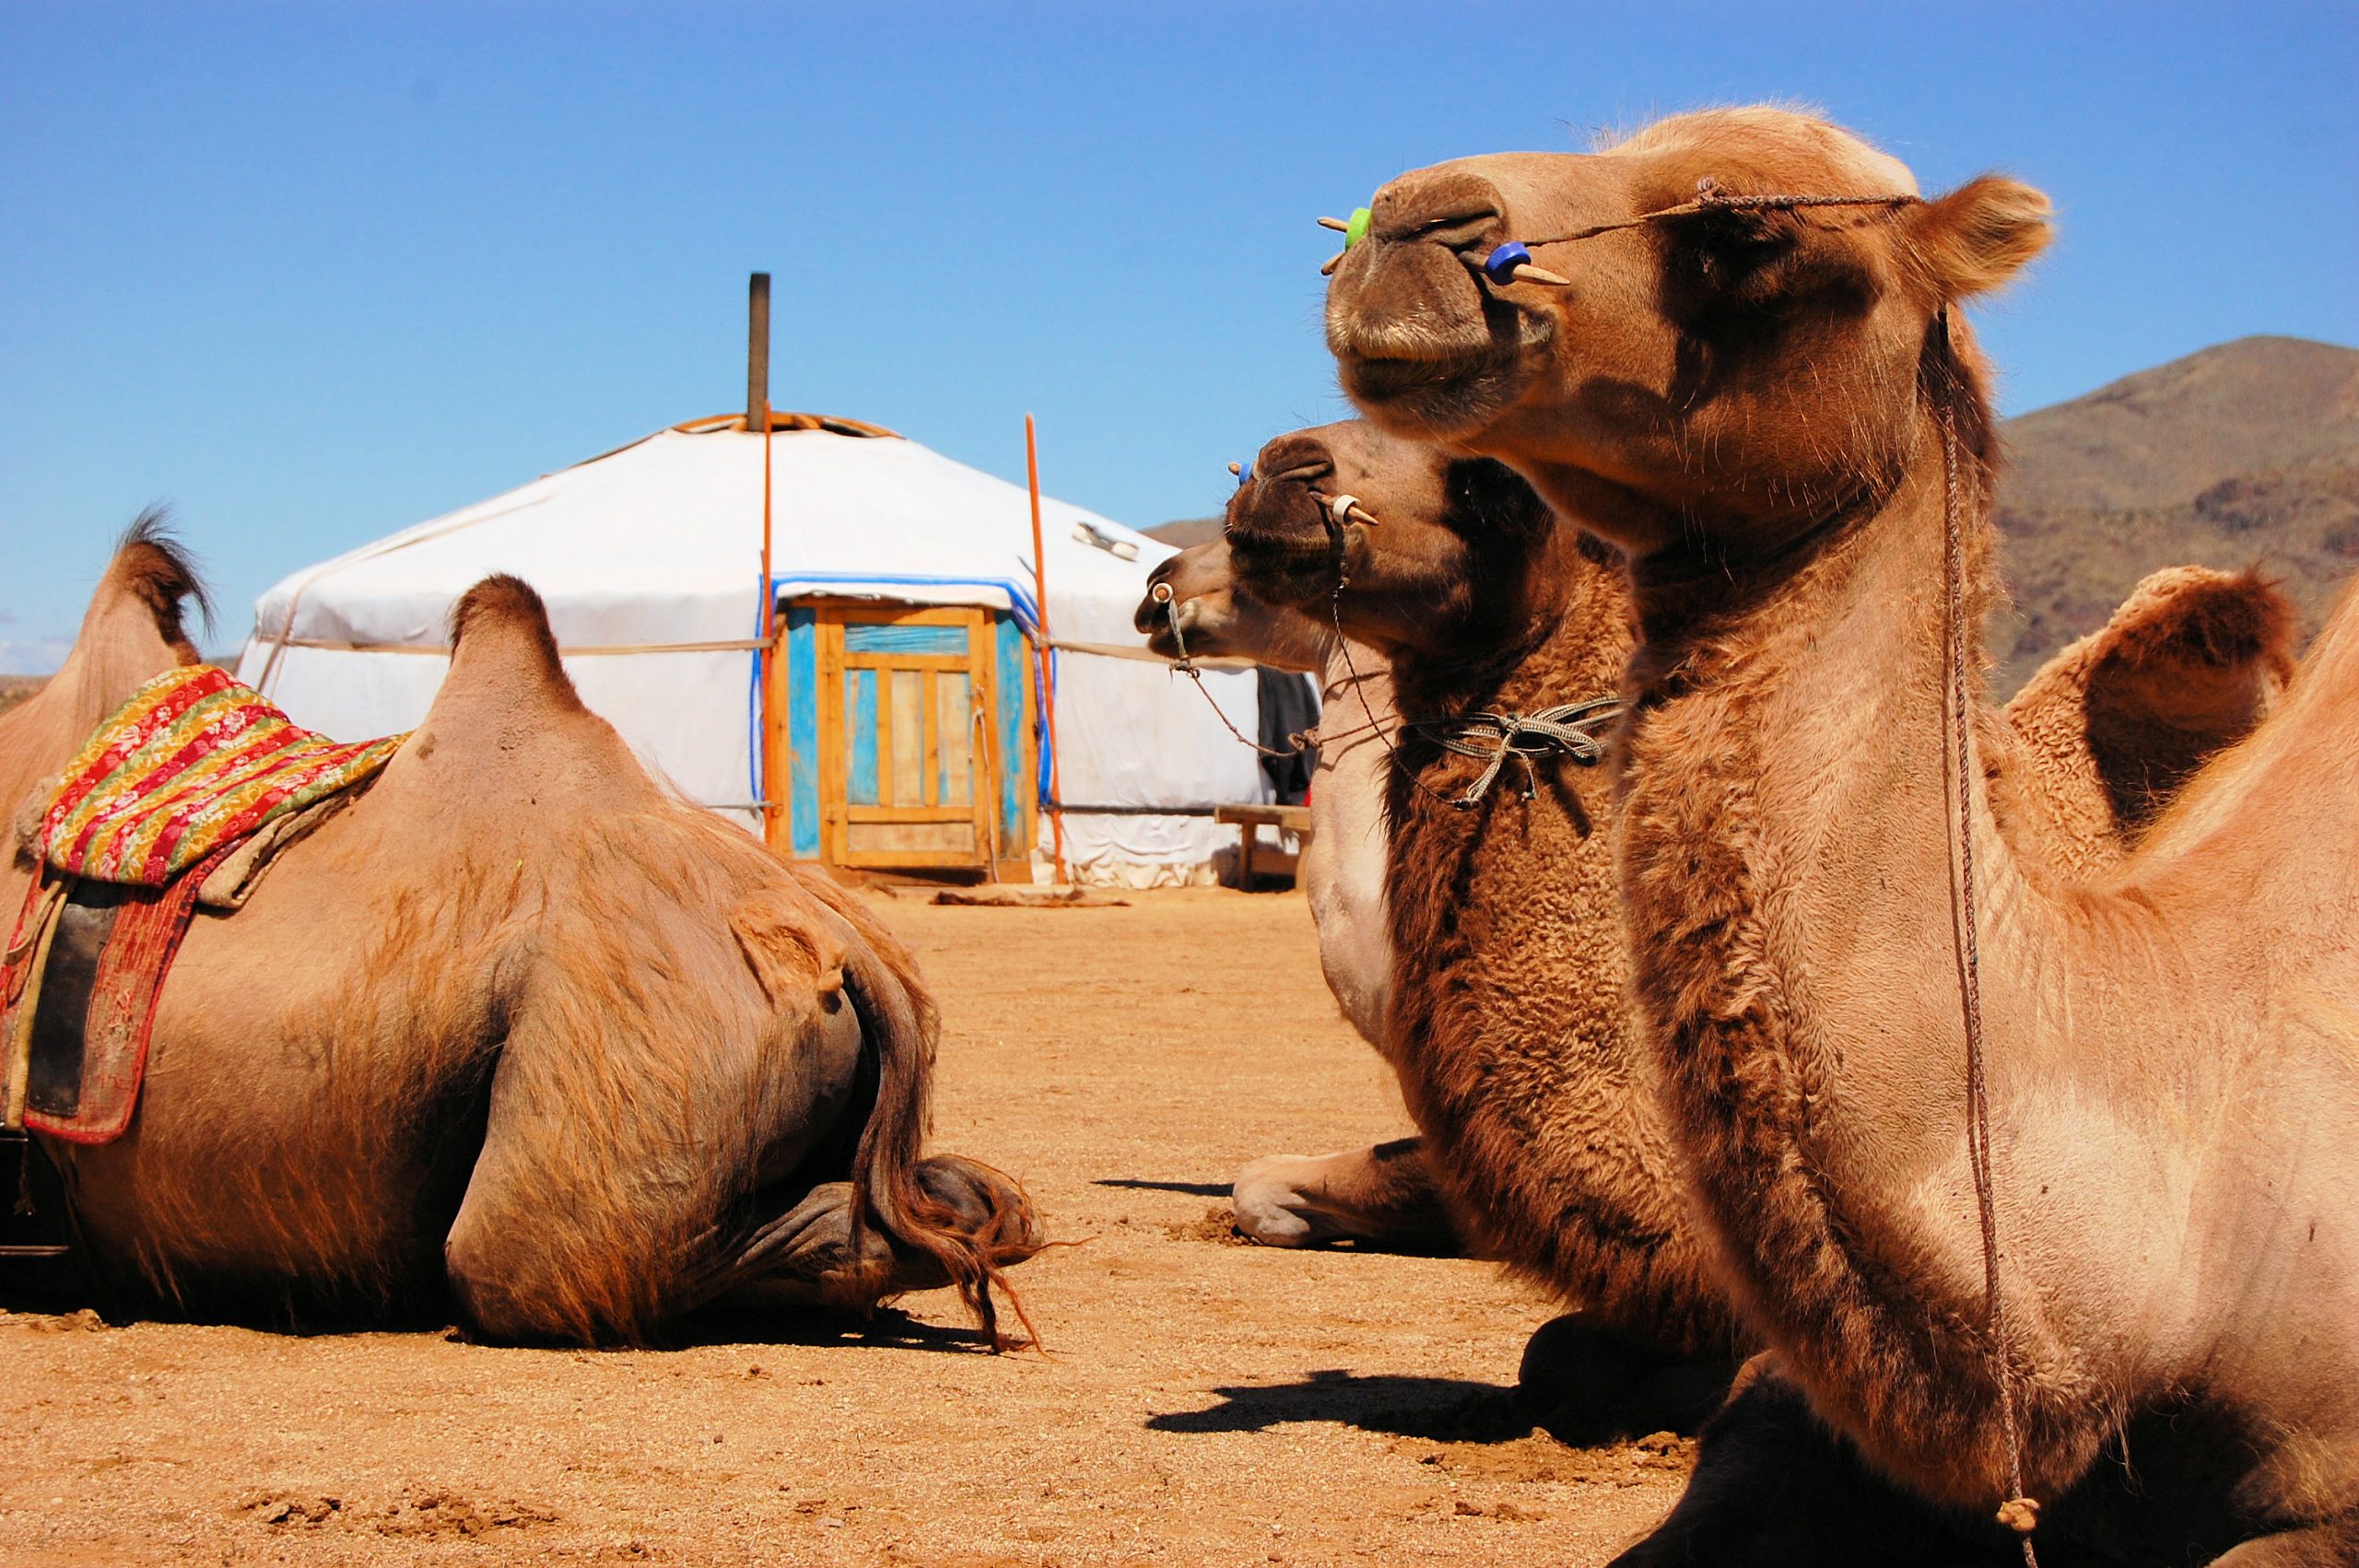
x: 154, y: 571
x: 2184, y: 616
x: 508, y: 731
x: 2196, y: 650
x: 500, y: 638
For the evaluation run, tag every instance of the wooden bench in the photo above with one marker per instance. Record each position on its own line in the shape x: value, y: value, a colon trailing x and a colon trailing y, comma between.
x: 1253, y: 861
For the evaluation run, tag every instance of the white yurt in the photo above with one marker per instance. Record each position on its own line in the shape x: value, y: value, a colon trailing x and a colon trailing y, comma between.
x: 893, y: 722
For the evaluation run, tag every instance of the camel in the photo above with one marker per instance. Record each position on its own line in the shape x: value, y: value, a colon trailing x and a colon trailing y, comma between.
x: 1774, y: 411
x: 515, y: 1034
x: 1384, y: 1197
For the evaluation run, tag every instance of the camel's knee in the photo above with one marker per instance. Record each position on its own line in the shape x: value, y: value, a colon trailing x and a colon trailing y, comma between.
x: 1586, y: 1381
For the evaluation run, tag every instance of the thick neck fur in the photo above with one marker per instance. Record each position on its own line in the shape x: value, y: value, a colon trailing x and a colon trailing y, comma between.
x: 1784, y: 821
x: 1511, y: 1012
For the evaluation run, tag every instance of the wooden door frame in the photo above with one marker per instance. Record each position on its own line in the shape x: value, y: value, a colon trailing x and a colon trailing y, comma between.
x: 838, y: 813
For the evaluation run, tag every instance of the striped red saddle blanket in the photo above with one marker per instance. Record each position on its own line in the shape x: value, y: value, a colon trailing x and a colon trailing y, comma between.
x: 188, y: 773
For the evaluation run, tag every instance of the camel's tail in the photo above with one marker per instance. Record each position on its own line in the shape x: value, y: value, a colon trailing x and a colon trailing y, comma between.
x: 902, y: 1026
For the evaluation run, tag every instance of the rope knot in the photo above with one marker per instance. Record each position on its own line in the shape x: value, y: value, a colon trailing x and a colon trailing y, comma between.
x: 2020, y: 1514
x: 1497, y: 739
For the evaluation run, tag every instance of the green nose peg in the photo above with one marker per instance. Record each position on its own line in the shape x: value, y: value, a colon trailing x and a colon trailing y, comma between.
x: 1356, y: 228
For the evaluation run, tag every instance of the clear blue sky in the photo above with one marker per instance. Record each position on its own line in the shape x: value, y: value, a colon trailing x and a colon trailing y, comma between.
x: 311, y: 273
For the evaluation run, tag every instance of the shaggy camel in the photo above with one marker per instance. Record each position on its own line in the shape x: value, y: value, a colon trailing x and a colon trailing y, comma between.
x: 1773, y: 410
x: 515, y: 1031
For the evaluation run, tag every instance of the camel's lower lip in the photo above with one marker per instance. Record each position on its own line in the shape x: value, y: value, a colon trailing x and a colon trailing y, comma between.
x: 1410, y: 384
x: 1379, y: 376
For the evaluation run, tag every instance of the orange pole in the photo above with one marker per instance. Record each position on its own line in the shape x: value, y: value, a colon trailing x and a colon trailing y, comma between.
x: 773, y: 809
x: 1040, y: 648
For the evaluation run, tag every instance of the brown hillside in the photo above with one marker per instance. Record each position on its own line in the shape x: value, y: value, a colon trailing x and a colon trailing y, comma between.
x: 2243, y: 454
x: 1185, y: 531
x: 14, y: 690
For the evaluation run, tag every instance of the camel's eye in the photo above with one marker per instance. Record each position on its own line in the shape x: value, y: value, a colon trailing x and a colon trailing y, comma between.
x: 1750, y: 262
x: 1733, y: 253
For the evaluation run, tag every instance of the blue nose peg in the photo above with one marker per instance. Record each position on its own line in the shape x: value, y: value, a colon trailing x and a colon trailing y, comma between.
x: 1500, y: 266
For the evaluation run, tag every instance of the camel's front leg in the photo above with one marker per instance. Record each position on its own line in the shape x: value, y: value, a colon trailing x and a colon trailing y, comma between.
x: 1383, y: 1198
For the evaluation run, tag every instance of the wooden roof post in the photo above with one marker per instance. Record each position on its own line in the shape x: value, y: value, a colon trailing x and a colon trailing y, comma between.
x: 758, y: 422
x: 757, y: 353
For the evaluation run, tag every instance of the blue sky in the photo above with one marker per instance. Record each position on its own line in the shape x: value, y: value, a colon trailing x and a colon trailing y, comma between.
x: 311, y: 273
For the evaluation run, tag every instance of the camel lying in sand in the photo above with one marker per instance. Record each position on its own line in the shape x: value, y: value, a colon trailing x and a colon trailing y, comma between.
x: 1511, y: 1023
x: 1382, y: 1197
x: 515, y: 1031
x: 1774, y: 411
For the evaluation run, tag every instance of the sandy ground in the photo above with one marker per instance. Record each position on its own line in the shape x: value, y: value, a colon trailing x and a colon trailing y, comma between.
x: 1199, y: 1400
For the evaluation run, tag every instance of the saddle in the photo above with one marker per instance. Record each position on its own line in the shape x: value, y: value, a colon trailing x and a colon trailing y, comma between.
x: 181, y: 797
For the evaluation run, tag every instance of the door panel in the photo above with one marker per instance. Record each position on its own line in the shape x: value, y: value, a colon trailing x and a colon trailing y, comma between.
x: 904, y: 693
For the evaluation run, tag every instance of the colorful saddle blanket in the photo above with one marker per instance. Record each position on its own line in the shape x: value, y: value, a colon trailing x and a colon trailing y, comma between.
x: 194, y: 761
x: 170, y: 788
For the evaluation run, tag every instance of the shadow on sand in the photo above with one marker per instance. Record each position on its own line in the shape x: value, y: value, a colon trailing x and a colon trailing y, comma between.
x: 1192, y: 1188
x: 884, y: 1328
x: 1447, y: 1409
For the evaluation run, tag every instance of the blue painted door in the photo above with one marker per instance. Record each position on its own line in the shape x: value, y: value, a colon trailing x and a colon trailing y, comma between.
x: 909, y: 756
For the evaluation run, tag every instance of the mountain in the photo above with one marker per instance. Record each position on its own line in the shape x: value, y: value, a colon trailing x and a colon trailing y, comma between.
x: 2239, y: 455
x: 1185, y: 531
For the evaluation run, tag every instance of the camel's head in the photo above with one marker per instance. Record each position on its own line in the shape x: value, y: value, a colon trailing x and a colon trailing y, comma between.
x: 1283, y: 523
x: 1219, y: 619
x: 1743, y: 371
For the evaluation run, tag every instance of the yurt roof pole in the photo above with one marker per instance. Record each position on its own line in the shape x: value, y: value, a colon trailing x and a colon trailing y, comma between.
x: 1041, y: 648
x: 757, y: 418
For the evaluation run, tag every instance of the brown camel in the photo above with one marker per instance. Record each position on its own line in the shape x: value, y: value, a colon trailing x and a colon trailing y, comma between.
x: 1771, y: 408
x: 1384, y: 1197
x: 515, y: 1031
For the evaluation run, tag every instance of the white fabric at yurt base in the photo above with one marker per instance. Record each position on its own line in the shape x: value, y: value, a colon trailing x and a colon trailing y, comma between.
x: 648, y: 556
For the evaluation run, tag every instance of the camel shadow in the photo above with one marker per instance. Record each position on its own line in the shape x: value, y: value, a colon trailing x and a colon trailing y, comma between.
x: 1444, y: 1410
x: 1190, y: 1188
x: 886, y: 1328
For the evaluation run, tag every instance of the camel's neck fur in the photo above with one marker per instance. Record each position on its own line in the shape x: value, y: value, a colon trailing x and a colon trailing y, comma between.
x: 1343, y: 866
x: 1788, y: 858
x: 1510, y: 1001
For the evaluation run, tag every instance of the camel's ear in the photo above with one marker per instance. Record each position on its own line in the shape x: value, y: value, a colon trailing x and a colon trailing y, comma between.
x: 792, y: 949
x: 1979, y: 236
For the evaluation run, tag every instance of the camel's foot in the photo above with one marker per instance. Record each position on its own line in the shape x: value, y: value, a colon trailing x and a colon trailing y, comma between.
x: 1587, y: 1383
x: 807, y: 1257
x: 1774, y: 1489
x: 1383, y: 1199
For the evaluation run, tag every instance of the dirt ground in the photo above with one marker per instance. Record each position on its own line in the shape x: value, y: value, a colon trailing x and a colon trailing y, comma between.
x: 1199, y: 1400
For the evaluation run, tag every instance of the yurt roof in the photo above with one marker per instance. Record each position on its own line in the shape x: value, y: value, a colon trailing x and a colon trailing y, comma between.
x: 657, y: 544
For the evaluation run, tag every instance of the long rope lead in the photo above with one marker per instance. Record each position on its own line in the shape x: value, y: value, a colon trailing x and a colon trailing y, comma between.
x: 2018, y: 1513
